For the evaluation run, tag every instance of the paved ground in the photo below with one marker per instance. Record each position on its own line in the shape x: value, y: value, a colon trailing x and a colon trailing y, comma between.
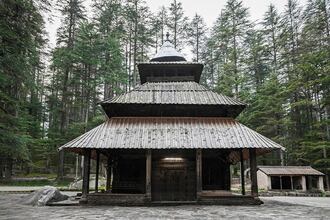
x: 19, y: 188
x: 274, y: 208
x: 304, y: 201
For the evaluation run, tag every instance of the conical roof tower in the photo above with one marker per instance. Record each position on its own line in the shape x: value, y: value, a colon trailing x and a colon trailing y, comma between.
x: 167, y: 52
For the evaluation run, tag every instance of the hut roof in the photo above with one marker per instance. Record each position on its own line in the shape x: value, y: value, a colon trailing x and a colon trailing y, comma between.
x: 289, y: 170
x: 171, y: 133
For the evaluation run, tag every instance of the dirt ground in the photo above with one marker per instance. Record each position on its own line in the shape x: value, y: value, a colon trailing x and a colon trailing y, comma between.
x: 274, y: 208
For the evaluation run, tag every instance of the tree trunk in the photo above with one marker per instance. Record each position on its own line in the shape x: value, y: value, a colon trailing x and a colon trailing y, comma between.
x: 8, y: 168
x: 135, y: 44
x: 60, y: 174
x: 1, y: 169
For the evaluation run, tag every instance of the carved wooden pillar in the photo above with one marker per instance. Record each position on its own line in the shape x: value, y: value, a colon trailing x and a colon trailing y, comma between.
x: 253, y: 170
x: 199, y: 183
x: 97, y: 171
x: 242, y: 173
x: 87, y: 161
x: 148, y: 174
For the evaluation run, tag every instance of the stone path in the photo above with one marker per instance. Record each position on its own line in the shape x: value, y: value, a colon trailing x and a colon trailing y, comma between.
x: 274, y: 208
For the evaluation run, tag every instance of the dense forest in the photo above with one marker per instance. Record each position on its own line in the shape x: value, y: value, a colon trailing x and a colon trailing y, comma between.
x: 280, y: 65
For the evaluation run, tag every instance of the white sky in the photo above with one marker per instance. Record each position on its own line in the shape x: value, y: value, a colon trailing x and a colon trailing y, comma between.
x: 208, y: 9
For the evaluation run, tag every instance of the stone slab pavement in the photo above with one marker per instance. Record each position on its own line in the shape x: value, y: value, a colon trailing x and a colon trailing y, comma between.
x: 318, y: 202
x: 274, y: 208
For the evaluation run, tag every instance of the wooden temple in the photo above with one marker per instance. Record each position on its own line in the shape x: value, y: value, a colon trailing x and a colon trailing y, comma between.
x: 170, y: 141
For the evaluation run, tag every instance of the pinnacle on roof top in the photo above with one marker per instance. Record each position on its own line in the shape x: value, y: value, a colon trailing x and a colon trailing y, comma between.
x: 167, y: 36
x: 167, y: 53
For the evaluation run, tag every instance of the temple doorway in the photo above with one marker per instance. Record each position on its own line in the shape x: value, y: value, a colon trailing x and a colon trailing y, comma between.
x: 173, y: 176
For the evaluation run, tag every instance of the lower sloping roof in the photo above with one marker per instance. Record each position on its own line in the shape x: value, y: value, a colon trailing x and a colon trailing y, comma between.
x: 171, y: 133
x: 289, y: 170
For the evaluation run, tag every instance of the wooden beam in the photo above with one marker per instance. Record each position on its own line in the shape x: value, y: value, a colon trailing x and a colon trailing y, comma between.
x: 148, y: 173
x: 242, y: 173
x: 97, y: 171
x: 108, y: 183
x: 199, y: 183
x: 85, y: 187
x: 253, y: 170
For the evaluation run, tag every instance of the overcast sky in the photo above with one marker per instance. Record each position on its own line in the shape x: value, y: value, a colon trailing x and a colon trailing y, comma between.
x: 208, y: 9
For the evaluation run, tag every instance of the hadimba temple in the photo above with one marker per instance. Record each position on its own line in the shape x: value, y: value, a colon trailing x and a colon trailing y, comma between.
x: 170, y: 140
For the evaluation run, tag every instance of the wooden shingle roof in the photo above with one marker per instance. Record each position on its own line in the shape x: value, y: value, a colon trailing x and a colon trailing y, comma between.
x: 174, y: 93
x: 172, y: 133
x: 187, y: 99
x: 289, y: 170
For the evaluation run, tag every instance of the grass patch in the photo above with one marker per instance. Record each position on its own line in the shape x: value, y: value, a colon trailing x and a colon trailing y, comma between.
x: 62, y: 183
x: 32, y: 175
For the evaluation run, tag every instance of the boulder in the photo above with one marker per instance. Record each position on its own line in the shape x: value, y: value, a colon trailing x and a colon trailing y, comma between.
x: 43, y: 196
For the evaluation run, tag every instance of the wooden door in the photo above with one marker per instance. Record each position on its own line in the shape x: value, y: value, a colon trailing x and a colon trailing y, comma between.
x: 172, y: 184
x: 173, y: 181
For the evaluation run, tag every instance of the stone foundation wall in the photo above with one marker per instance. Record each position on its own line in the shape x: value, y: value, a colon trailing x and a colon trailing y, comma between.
x: 117, y: 199
x: 230, y: 200
x: 143, y: 200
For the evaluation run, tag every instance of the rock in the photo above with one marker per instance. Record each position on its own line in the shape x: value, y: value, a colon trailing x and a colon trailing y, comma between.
x: 43, y: 196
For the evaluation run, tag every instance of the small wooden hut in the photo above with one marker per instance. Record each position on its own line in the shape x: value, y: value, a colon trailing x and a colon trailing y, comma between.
x: 170, y: 140
x: 290, y: 178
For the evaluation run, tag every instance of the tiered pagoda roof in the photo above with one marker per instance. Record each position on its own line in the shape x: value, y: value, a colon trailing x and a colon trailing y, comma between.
x: 171, y: 110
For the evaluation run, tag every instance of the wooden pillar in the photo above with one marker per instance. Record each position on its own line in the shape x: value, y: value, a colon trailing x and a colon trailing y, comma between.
x: 291, y: 179
x: 87, y: 161
x: 253, y: 170
x: 97, y: 171
x: 108, y: 183
x: 242, y: 173
x: 148, y: 174
x: 320, y: 184
x: 199, y: 183
x: 281, y: 183
x: 303, y: 183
